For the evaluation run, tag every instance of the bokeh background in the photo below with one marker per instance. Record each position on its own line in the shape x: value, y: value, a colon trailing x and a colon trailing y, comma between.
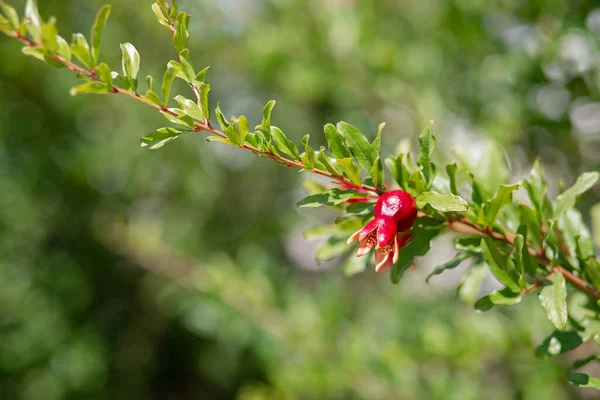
x: 183, y: 274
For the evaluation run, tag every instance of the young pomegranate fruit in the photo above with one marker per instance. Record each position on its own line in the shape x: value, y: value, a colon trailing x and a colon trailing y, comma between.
x: 395, y: 212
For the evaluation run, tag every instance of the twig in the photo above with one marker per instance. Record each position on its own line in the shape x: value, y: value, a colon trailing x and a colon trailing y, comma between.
x: 205, y: 126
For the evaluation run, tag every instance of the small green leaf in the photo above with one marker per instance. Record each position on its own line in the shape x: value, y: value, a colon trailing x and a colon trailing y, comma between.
x: 187, y: 70
x: 190, y: 107
x: 328, y: 198
x: 427, y: 141
x: 81, y: 50
x: 221, y: 118
x: 554, y: 300
x: 97, y: 30
x: 63, y: 49
x: 181, y: 35
x: 159, y: 138
x: 5, y: 26
x: 350, y: 170
x: 237, y: 131
x: 376, y: 145
x: 36, y: 52
x: 518, y: 257
x: 500, y: 199
x: 131, y: 64
x: 358, y: 145
x: 558, y: 343
x: 419, y: 246
x: 336, y: 145
x: 34, y: 26
x: 153, y: 97
x: 451, y: 171
x: 49, y: 34
x: 584, y: 380
x: 355, y: 265
x: 204, y: 89
x: 582, y: 362
x: 537, y: 188
x: 283, y: 144
x: 567, y: 199
x: 160, y: 16
x: 103, y: 72
x: 455, y: 262
x: 504, y: 297
x: 308, y: 158
x: 91, y: 87
x: 167, y: 82
x: 327, y: 161
x: 500, y: 265
x: 442, y: 202
x: 266, y: 114
x: 180, y: 119
x: 377, y: 173
x: 11, y: 14
x: 468, y: 290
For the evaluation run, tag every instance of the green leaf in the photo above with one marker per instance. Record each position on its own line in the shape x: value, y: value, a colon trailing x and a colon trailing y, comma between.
x: 63, y: 49
x: 328, y: 198
x: 350, y: 170
x: 11, y: 14
x: 451, y: 171
x: 504, y: 297
x: 103, y: 72
x: 537, y: 188
x: 190, y: 107
x: 181, y: 118
x: 518, y: 257
x: 584, y: 380
x: 221, y: 118
x: 237, y: 131
x: 500, y: 199
x: 283, y: 144
x: 528, y: 217
x: 159, y: 138
x: 442, y: 202
x: 419, y: 246
x: 582, y: 362
x: 376, y: 145
x: 468, y: 289
x: 595, y: 216
x: 327, y: 161
x: 131, y: 64
x: 554, y: 300
x: 5, y: 26
x: 49, y: 34
x: 36, y: 52
x: 455, y: 262
x: 490, y: 171
x: 266, y: 116
x: 81, y: 50
x: 181, y: 35
x: 415, y: 184
x: 91, y: 87
x: 567, y: 199
x: 160, y: 16
x: 500, y: 265
x: 394, y: 165
x: 204, y: 89
x: 167, y: 82
x: 558, y: 343
x: 427, y: 142
x: 201, y: 75
x: 377, y: 174
x: 336, y: 145
x: 358, y: 145
x: 592, y: 268
x: 187, y: 70
x: 153, y: 97
x: 34, y: 26
x: 97, y: 30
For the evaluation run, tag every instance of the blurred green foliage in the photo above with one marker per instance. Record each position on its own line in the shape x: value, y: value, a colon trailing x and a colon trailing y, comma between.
x: 181, y: 273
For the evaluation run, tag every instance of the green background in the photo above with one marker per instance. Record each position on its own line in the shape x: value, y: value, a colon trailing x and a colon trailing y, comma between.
x: 183, y: 274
